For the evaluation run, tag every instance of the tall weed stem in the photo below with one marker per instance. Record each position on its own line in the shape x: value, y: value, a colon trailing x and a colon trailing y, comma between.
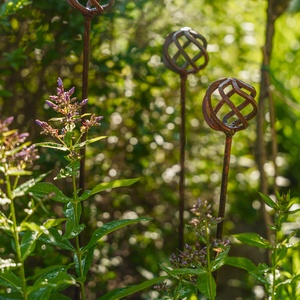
x: 15, y: 232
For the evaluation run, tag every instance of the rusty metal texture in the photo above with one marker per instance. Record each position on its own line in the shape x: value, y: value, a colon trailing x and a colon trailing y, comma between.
x: 189, y: 53
x: 233, y: 107
x: 184, y: 52
x: 93, y: 7
x: 235, y: 87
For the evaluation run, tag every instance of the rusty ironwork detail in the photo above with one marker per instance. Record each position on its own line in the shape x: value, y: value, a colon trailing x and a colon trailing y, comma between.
x: 238, y: 120
x: 184, y: 52
x: 93, y: 7
x: 235, y: 107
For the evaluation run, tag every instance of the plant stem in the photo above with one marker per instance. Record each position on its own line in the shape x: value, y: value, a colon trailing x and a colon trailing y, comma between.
x: 15, y: 232
x: 208, y: 258
x: 77, y: 242
x: 177, y: 289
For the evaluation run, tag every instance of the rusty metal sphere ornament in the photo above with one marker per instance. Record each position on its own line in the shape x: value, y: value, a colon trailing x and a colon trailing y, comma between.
x: 226, y: 88
x: 190, y: 53
x: 93, y: 7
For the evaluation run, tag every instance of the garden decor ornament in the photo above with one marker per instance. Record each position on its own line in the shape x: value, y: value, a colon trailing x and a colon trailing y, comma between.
x: 184, y: 52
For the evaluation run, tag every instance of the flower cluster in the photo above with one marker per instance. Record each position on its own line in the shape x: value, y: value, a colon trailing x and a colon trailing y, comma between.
x: 70, y: 109
x: 14, y: 152
x: 191, y: 257
x: 203, y: 217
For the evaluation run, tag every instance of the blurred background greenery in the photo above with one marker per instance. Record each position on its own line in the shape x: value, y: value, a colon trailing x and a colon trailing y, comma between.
x: 139, y: 99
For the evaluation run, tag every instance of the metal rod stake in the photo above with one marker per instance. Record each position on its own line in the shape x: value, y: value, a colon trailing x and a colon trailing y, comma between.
x: 224, y: 185
x: 85, y: 75
x: 182, y: 163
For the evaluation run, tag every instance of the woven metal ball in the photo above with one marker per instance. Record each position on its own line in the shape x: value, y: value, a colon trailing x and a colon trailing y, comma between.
x: 234, y: 108
x: 184, y: 51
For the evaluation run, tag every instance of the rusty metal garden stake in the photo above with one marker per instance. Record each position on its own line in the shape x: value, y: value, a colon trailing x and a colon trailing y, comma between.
x: 184, y: 53
x: 228, y: 116
x: 92, y: 8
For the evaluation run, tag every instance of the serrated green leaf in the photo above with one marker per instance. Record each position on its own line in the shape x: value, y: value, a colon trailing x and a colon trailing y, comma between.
x: 107, y: 185
x: 110, y: 227
x: 269, y: 201
x: 253, y: 239
x: 52, y: 146
x: 22, y: 189
x: 44, y: 189
x: 207, y: 286
x: 90, y: 141
x: 123, y: 292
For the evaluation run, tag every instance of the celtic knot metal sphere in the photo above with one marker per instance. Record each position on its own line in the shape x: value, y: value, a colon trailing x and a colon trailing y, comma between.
x: 184, y: 51
x: 93, y: 7
x: 235, y: 96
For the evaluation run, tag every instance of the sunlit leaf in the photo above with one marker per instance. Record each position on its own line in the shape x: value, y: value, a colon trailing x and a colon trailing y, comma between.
x: 107, y: 185
x: 269, y: 201
x: 253, y: 239
x: 53, y: 146
x: 69, y: 171
x: 123, y: 292
x: 241, y: 262
x: 110, y: 227
x: 220, y: 259
x: 90, y: 141
x: 44, y: 189
x: 206, y: 285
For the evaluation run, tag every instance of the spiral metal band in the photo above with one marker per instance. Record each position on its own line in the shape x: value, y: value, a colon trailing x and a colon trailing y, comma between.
x: 190, y: 65
x: 92, y: 7
x: 244, y: 90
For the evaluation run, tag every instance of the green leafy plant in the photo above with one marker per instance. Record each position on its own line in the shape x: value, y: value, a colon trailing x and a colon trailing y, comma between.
x: 279, y: 281
x: 194, y: 269
x: 16, y: 156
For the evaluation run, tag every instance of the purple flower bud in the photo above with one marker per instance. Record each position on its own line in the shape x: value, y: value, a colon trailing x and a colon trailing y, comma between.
x: 50, y: 104
x: 8, y: 121
x: 83, y: 102
x: 99, y: 118
x: 41, y: 123
x: 71, y: 91
x: 59, y: 82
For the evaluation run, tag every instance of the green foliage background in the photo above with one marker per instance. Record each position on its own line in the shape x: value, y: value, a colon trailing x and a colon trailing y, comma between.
x: 139, y: 99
